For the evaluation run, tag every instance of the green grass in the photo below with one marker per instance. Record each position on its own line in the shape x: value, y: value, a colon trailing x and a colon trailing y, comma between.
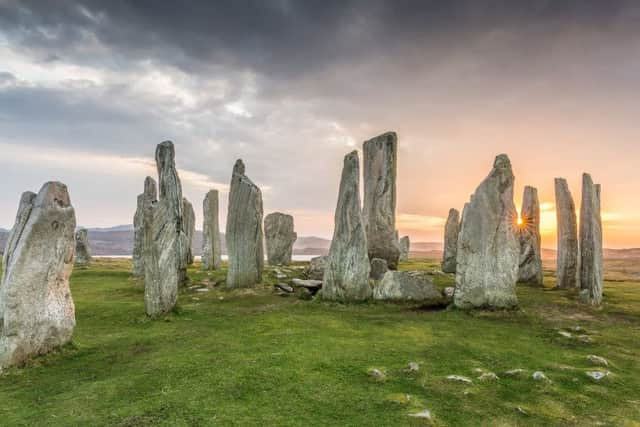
x: 245, y: 358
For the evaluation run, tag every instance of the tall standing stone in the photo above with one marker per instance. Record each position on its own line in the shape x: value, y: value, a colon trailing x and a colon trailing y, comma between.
x: 83, y: 252
x: 346, y: 275
x: 189, y: 225
x: 279, y: 237
x: 37, y: 313
x: 379, y: 211
x: 567, y: 257
x: 488, y: 247
x: 211, y: 249
x: 591, y: 268
x: 405, y: 245
x: 164, y: 237
x: 530, y: 270
x: 148, y: 197
x: 451, y: 230
x: 244, y: 231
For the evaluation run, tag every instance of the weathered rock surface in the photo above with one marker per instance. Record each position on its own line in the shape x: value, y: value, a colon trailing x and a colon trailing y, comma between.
x: 317, y: 266
x: 451, y: 230
x: 189, y: 227
x: 530, y: 268
x: 379, y: 211
x: 567, y: 269
x: 164, y: 238
x: 37, y: 313
x: 346, y: 275
x: 402, y: 286
x: 591, y: 271
x: 149, y: 196
x: 404, y: 244
x: 378, y: 268
x: 83, y: 252
x: 244, y: 231
x: 211, y: 246
x: 488, y: 248
x: 279, y: 237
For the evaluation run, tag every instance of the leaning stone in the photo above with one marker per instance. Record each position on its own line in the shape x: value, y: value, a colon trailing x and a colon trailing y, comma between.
x: 530, y: 268
x: 244, y: 231
x: 460, y: 379
x: 279, y: 237
x: 380, y: 158
x: 211, y: 248
x: 405, y: 244
x: 567, y: 256
x: 401, y: 286
x: 378, y: 268
x: 346, y: 276
x: 591, y: 271
x: 488, y: 249
x: 37, y: 313
x: 451, y: 231
x: 597, y: 360
x: 164, y: 237
x: 83, y: 252
x: 189, y: 227
x: 149, y: 196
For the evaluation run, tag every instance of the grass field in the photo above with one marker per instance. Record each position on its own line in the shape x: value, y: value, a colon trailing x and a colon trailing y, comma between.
x: 245, y: 358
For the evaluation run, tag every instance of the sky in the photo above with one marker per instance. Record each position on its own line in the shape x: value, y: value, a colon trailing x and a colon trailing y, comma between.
x: 88, y: 89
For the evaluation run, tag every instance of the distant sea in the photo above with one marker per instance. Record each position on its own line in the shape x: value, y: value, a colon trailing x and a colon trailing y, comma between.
x: 224, y: 257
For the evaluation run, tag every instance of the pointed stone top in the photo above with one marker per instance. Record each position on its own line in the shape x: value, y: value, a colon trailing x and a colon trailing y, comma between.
x: 238, y: 167
x: 502, y: 161
x: 453, y: 211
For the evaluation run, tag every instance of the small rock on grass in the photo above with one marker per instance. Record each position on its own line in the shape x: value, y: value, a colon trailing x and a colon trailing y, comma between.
x: 514, y: 372
x: 565, y: 334
x: 488, y: 376
x: 377, y: 374
x: 597, y: 375
x: 459, y: 378
x: 413, y: 367
x: 597, y: 360
x: 539, y: 376
x: 425, y: 414
x: 202, y: 290
x: 285, y: 288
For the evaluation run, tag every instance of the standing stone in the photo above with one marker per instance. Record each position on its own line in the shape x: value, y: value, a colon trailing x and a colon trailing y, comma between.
x: 379, y: 210
x: 164, y: 238
x: 346, y: 275
x: 591, y: 271
x: 530, y: 270
x: 36, y: 308
x: 567, y: 269
x: 149, y: 196
x: 211, y: 251
x: 451, y: 230
x: 244, y: 231
x: 317, y: 265
x: 189, y: 225
x: 83, y: 253
x: 404, y: 244
x: 280, y: 237
x: 488, y: 247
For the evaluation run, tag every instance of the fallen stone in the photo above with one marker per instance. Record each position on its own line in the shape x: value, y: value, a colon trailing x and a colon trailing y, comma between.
x: 281, y: 276
x: 244, y: 231
x: 285, y: 288
x: 279, y: 237
x: 488, y: 376
x: 380, y: 158
x: 425, y: 414
x: 565, y: 334
x: 451, y: 231
x: 37, y: 313
x: 514, y: 372
x: 488, y: 249
x: 567, y: 254
x: 401, y: 286
x: 310, y: 284
x: 202, y: 290
x: 378, y: 268
x: 346, y: 275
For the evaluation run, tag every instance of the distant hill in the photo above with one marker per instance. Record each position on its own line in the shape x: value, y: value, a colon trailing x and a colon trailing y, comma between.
x: 118, y: 240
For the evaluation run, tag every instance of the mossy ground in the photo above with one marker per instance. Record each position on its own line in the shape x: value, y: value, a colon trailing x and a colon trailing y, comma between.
x: 244, y: 358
